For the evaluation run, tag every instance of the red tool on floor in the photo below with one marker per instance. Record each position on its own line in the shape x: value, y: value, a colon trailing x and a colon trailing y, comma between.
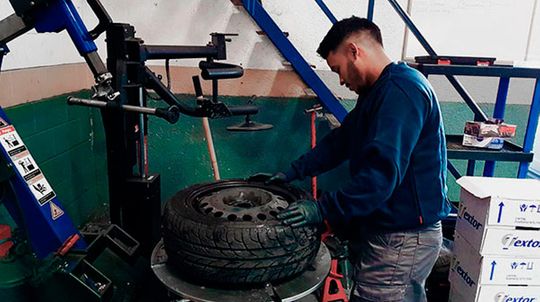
x: 333, y: 290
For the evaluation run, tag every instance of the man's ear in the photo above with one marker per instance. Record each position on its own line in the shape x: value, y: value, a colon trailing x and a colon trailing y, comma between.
x: 353, y: 50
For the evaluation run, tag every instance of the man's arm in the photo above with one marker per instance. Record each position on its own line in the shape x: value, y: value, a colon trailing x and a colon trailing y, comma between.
x: 328, y: 154
x: 383, y: 158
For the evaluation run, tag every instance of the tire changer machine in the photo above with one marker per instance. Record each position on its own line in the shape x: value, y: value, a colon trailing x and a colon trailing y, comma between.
x: 120, y: 91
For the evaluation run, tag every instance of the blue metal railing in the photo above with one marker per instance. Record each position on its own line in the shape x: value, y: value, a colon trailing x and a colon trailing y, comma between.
x: 331, y: 103
x: 326, y: 11
x: 272, y: 30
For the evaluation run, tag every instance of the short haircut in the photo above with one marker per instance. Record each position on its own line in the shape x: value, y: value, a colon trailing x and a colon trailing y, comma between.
x: 341, y: 30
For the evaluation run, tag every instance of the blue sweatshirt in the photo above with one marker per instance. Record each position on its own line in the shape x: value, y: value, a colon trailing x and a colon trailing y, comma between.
x: 394, y: 142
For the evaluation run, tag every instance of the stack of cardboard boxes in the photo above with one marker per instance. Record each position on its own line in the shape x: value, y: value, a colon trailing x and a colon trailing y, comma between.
x: 497, y: 241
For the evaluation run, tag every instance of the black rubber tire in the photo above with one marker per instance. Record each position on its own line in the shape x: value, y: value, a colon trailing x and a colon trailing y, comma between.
x: 216, y: 251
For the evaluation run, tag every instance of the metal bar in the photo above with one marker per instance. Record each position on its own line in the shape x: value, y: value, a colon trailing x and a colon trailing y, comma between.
x: 453, y: 170
x: 265, y: 22
x: 457, y: 85
x: 470, y: 167
x: 491, y: 71
x: 531, y: 26
x: 502, y: 94
x: 95, y: 63
x: 532, y: 125
x: 326, y: 11
x: 160, y: 52
x: 12, y: 27
x: 407, y: 19
x: 479, y: 115
x: 489, y: 168
x: 406, y: 33
x: 370, y: 11
x: 498, y: 113
x: 142, y: 147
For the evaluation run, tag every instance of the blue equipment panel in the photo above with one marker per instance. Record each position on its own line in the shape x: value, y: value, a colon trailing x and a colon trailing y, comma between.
x: 31, y: 201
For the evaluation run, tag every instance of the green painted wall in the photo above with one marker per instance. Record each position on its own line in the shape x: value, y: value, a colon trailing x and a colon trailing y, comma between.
x: 68, y: 144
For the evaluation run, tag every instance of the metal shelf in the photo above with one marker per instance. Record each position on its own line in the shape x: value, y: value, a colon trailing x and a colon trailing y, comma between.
x: 509, y: 152
x: 486, y: 71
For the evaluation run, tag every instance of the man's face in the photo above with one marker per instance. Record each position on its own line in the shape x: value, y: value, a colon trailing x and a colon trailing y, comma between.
x: 344, y: 62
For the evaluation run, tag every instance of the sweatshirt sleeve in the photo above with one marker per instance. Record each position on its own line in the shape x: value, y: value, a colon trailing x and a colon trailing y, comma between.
x: 327, y: 154
x: 382, y: 159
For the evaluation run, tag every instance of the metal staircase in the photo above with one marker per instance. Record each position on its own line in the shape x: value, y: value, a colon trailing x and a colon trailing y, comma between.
x: 510, y: 152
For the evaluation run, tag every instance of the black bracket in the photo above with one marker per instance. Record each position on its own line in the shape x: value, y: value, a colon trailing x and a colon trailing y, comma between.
x: 103, y: 17
x: 109, y: 236
x: 3, y: 51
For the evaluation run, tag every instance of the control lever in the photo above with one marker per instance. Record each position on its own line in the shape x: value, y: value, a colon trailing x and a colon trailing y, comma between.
x: 212, y: 109
x: 170, y: 114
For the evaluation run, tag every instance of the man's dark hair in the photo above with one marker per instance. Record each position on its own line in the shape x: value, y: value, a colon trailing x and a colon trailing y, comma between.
x: 341, y: 30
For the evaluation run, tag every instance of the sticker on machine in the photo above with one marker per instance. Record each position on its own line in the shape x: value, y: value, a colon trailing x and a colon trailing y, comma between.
x: 26, y: 165
x: 11, y: 141
x: 41, y: 189
x: 55, y: 211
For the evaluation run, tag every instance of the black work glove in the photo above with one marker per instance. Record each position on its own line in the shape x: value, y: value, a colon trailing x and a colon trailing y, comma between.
x: 302, y: 213
x: 268, y: 178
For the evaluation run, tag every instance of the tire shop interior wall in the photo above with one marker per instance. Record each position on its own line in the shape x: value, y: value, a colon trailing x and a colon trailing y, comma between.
x: 68, y: 142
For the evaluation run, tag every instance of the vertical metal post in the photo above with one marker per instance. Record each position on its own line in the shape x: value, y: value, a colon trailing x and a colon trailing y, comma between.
x: 406, y: 33
x: 142, y: 140
x: 532, y: 125
x: 531, y: 27
x: 498, y: 113
x: 371, y: 8
x: 470, y: 167
x: 326, y: 11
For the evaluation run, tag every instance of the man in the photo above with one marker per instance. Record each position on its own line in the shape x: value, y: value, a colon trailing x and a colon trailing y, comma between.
x: 390, y: 208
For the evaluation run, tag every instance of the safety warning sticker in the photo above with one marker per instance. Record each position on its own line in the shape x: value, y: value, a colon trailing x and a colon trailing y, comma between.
x: 11, y: 141
x: 26, y: 165
x: 41, y: 189
x: 55, y: 211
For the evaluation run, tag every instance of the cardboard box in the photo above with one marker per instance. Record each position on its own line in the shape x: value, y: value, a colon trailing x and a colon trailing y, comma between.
x: 502, y: 241
x: 482, y: 129
x: 497, y: 293
x: 478, y: 270
x: 492, y: 208
x: 495, y: 143
x: 491, y: 201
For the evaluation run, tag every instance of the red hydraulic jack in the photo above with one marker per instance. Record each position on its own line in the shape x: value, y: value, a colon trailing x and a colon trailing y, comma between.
x: 333, y: 290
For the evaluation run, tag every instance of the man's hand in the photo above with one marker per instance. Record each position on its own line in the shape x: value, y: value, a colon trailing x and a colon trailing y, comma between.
x: 302, y: 213
x: 268, y: 178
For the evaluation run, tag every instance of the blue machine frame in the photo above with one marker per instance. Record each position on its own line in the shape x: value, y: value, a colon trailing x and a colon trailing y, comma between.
x: 43, y: 219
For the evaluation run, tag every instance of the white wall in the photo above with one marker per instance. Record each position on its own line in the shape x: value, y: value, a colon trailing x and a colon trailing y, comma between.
x: 459, y: 27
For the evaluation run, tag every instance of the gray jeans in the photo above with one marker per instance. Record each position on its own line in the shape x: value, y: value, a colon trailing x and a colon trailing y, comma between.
x: 394, y: 266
